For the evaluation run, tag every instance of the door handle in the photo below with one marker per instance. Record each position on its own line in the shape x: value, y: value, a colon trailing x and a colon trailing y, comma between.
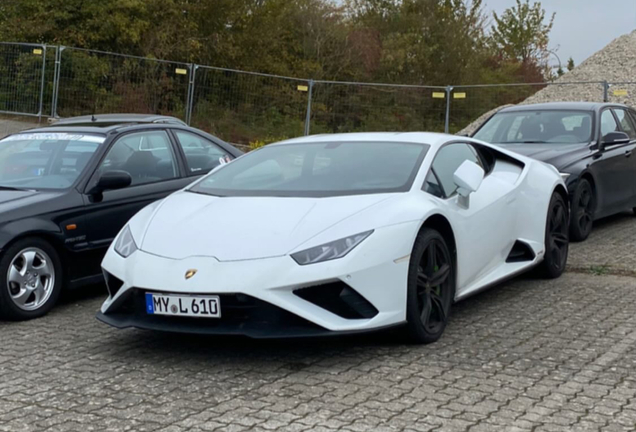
x: 628, y: 153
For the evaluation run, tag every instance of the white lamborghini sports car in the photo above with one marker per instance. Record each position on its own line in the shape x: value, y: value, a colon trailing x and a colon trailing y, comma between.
x: 335, y: 234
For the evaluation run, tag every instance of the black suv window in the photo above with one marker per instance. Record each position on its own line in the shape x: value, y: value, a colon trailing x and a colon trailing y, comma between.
x: 626, y: 122
x: 439, y: 181
x: 608, y: 123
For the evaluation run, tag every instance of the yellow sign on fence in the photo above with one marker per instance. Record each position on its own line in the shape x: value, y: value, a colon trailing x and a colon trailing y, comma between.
x: 302, y: 88
x: 37, y: 51
x: 180, y: 71
x: 459, y: 95
x: 439, y: 95
x: 620, y: 92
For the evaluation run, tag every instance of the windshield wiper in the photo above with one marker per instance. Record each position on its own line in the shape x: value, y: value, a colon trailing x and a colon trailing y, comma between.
x: 12, y: 188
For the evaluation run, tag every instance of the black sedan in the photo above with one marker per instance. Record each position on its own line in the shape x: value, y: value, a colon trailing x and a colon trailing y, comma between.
x: 591, y: 144
x: 67, y: 190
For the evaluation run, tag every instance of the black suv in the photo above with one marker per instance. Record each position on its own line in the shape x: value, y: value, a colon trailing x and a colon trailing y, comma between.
x: 591, y: 145
x: 66, y: 190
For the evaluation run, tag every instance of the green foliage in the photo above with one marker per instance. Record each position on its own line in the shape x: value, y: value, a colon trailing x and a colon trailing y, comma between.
x: 521, y: 32
x: 419, y: 42
x: 570, y: 64
x: 599, y: 270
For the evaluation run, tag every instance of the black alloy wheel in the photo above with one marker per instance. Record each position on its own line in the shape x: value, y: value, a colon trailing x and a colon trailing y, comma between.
x: 583, y: 204
x: 557, y: 242
x: 431, y: 287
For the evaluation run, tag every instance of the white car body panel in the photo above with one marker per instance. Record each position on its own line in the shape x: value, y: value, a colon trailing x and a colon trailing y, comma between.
x: 243, y: 244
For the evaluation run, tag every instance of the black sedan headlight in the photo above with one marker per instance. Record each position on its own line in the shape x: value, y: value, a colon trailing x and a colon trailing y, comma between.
x: 330, y: 251
x: 125, y: 244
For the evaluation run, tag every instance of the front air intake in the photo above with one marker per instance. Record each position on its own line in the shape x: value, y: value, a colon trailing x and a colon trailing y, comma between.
x: 339, y: 299
x: 113, y: 284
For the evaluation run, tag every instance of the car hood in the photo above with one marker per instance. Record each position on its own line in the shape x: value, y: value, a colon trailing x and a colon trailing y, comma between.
x: 555, y: 154
x: 25, y: 202
x: 242, y: 228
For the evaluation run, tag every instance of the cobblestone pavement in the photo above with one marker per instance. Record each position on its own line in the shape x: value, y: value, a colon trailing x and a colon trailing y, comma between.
x: 527, y: 355
x: 611, y: 247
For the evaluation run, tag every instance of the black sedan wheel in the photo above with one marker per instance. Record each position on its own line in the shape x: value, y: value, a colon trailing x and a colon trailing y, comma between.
x: 583, y: 203
x: 431, y: 287
x: 557, y: 242
x: 30, y: 279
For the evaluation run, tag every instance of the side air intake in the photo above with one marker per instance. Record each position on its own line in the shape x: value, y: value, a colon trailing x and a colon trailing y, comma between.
x: 339, y: 299
x: 520, y: 252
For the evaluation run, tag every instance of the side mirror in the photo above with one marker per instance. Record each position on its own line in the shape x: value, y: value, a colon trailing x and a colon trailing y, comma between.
x: 111, y: 180
x: 614, y: 138
x: 468, y: 178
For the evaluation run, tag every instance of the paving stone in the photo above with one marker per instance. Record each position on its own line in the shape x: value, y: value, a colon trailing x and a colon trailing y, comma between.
x: 529, y: 354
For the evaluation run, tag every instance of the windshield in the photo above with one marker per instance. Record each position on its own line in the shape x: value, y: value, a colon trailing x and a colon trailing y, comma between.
x: 318, y: 170
x: 537, y: 127
x: 44, y: 160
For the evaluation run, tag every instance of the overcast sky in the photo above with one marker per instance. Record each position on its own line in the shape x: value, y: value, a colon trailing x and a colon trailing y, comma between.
x: 581, y: 27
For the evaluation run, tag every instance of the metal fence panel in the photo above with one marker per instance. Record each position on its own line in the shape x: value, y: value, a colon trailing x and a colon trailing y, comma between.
x: 243, y: 107
x: 354, y: 107
x: 21, y: 72
x: 97, y: 82
x: 622, y: 92
x: 246, y: 107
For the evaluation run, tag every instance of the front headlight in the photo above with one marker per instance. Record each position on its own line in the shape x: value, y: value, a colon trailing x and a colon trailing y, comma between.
x: 125, y: 244
x: 330, y: 251
x: 565, y: 176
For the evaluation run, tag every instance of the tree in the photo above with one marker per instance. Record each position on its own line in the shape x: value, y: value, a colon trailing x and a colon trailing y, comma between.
x: 522, y: 34
x: 570, y: 64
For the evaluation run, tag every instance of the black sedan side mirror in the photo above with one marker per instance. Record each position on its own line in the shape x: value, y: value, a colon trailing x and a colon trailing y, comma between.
x: 111, y: 180
x: 614, y: 138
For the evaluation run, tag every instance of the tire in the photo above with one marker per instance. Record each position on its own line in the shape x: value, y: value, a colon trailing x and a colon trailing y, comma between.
x: 557, y: 242
x: 30, y: 279
x: 431, y: 263
x: 582, y: 214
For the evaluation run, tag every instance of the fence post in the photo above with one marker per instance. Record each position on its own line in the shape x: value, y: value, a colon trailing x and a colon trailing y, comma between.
x: 308, y: 116
x: 190, y: 96
x: 605, y: 91
x: 56, y: 79
x: 42, y: 82
x: 449, y: 89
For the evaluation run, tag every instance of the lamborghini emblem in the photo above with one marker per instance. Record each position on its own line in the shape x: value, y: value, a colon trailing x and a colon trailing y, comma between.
x: 190, y: 273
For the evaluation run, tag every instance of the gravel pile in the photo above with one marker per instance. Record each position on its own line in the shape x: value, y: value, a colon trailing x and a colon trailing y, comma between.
x: 616, y: 64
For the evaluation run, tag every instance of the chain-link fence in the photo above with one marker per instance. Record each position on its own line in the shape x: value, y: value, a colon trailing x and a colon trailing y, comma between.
x: 246, y: 107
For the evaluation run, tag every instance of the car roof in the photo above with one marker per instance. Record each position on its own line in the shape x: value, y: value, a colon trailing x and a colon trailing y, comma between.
x: 429, y: 138
x: 575, y: 106
x: 105, y: 120
x: 102, y: 130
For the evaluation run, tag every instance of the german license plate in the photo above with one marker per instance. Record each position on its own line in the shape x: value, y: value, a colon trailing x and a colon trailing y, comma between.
x: 179, y: 305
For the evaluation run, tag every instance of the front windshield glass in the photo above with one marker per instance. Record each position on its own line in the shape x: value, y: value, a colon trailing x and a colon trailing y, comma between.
x: 318, y: 170
x: 43, y: 160
x: 565, y: 127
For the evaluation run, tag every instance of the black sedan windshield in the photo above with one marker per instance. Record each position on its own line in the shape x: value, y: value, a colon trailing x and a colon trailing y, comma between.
x: 45, y: 160
x: 318, y: 170
x: 537, y: 126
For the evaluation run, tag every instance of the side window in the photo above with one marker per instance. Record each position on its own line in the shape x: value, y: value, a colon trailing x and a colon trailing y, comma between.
x: 448, y: 159
x: 431, y: 185
x: 201, y: 155
x: 608, y: 123
x: 146, y: 156
x: 626, y: 122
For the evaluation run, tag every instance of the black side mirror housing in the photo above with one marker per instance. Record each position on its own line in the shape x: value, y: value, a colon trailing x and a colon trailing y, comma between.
x: 614, y: 138
x: 111, y: 180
